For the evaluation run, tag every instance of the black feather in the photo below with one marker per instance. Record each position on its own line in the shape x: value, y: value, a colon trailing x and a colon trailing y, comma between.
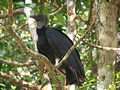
x: 55, y: 44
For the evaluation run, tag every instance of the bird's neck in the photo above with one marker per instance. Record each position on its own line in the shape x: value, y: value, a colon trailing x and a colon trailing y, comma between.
x: 41, y: 29
x: 41, y: 25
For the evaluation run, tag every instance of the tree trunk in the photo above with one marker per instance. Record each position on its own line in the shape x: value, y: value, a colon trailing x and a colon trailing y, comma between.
x: 71, y: 19
x: 71, y: 29
x: 107, y: 37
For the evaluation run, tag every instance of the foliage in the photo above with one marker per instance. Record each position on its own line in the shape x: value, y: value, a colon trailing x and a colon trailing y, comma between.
x: 10, y: 50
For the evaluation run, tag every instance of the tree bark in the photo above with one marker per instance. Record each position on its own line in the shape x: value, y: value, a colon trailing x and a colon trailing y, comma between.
x: 71, y: 19
x: 71, y: 27
x: 107, y: 37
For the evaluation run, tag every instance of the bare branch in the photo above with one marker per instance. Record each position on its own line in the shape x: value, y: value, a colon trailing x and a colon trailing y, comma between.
x: 90, y: 11
x: 74, y: 46
x: 16, y: 12
x: 52, y: 14
x: 104, y: 47
x: 27, y: 64
x: 3, y: 37
x: 10, y: 13
x: 20, y: 82
x: 54, y: 4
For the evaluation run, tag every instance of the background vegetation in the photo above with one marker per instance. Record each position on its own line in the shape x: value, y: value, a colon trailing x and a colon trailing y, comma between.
x: 16, y: 64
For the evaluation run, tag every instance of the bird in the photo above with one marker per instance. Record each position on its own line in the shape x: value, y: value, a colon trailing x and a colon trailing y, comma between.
x: 54, y: 44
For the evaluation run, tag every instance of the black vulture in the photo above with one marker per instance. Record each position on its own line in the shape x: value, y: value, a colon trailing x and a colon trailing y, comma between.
x: 54, y: 44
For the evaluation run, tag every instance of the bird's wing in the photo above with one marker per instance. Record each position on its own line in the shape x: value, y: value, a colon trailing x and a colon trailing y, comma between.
x: 61, y: 44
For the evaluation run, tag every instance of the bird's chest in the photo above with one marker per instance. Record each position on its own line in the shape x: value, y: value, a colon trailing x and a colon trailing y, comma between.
x: 42, y: 41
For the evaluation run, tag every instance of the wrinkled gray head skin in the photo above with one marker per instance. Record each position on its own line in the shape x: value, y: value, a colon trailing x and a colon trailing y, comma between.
x: 41, y: 20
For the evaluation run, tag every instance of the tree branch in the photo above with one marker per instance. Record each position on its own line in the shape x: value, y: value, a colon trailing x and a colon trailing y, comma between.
x: 5, y: 36
x: 16, y: 30
x: 49, y: 4
x: 20, y: 82
x: 90, y: 11
x: 104, y: 47
x: 27, y: 64
x: 53, y: 13
x: 16, y: 12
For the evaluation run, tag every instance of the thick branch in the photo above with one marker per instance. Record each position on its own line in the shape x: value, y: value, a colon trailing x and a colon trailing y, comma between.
x: 19, y: 82
x: 10, y: 13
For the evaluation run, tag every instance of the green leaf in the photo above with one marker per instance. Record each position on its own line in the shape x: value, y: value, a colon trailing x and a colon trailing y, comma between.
x: 59, y: 2
x: 51, y: 1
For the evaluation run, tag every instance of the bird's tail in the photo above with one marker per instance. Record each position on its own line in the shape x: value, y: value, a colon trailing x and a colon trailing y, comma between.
x: 73, y: 77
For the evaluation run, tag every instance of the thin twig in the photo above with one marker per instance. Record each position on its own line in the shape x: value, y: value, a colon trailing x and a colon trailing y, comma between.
x: 49, y: 4
x: 16, y: 30
x: 80, y: 19
x: 27, y: 64
x: 103, y: 47
x: 3, y: 37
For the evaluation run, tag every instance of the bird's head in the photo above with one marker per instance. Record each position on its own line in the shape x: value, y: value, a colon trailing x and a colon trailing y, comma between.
x: 41, y: 20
